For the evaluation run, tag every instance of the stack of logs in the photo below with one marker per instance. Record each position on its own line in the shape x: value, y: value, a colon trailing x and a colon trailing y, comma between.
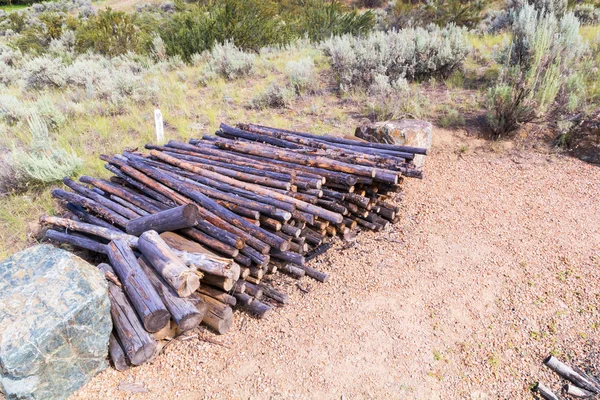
x: 191, y: 230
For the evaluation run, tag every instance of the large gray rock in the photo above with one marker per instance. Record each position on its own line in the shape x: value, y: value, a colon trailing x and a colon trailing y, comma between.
x: 55, y: 323
x: 404, y: 132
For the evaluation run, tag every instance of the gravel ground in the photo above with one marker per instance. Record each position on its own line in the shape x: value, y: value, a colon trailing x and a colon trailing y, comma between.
x: 493, y: 265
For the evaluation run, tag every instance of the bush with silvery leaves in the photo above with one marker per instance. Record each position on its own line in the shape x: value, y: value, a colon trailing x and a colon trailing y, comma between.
x: 301, y: 74
x: 413, y: 53
x: 541, y: 71
x: 228, y: 61
x: 274, y: 96
x: 43, y: 162
x: 44, y: 71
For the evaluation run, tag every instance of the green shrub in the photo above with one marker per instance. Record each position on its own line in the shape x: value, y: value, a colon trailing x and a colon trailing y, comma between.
x: 392, y: 100
x: 109, y: 33
x: 43, y: 162
x: 414, y: 54
x: 322, y: 19
x: 249, y: 25
x: 540, y: 66
x: 406, y: 13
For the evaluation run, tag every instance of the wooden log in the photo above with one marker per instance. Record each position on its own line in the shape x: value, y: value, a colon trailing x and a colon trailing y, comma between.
x: 144, y: 298
x: 245, y: 273
x: 325, y: 214
x: 142, y: 187
x: 218, y: 281
x: 217, y: 294
x: 183, y: 311
x: 313, y: 273
x: 219, y: 316
x: 577, y: 392
x: 136, y: 199
x: 254, y: 290
x: 171, y: 269
x: 256, y: 257
x: 258, y: 309
x: 292, y: 270
x: 130, y: 206
x: 240, y: 287
x: 291, y: 230
x: 77, y: 241
x: 288, y: 256
x: 210, y: 264
x: 184, y: 216
x: 274, y: 294
x: 257, y: 273
x: 387, y: 213
x: 205, y: 202
x: 243, y: 299
x: 91, y: 205
x: 117, y: 354
x: 545, y: 392
x: 137, y: 343
x: 105, y: 202
x: 335, y: 139
x: 252, y: 279
x: 80, y: 213
x: 333, y: 206
x: 224, y: 236
x: 71, y: 225
x: 317, y: 251
x: 270, y: 223
x: 568, y: 373
x: 210, y: 242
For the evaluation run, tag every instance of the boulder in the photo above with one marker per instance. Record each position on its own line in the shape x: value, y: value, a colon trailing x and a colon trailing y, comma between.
x: 403, y: 132
x: 56, y: 323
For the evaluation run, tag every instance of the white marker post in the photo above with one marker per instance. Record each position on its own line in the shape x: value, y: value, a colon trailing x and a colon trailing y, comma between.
x: 160, y: 129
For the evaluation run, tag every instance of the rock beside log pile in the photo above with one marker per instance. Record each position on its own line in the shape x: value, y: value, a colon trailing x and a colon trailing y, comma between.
x: 55, y: 323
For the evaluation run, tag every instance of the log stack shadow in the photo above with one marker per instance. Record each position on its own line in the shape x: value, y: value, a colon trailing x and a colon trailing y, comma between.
x: 194, y: 230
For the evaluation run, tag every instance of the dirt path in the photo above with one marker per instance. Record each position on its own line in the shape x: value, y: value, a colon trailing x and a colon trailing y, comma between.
x: 494, y: 264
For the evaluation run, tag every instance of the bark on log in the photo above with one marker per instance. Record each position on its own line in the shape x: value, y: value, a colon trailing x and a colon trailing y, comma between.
x: 172, y: 219
x: 568, y: 373
x: 117, y: 354
x: 77, y: 241
x: 578, y: 392
x: 137, y: 343
x: 183, y: 311
x: 217, y: 294
x: 546, y: 392
x: 172, y: 269
x: 144, y: 298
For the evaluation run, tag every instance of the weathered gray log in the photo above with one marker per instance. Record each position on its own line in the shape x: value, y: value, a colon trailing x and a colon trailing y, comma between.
x: 220, y: 295
x: 258, y: 309
x: 183, y: 311
x: 288, y: 256
x: 184, y: 216
x: 313, y: 273
x: 137, y: 343
x: 578, y: 392
x: 274, y: 294
x: 243, y: 299
x: 254, y: 290
x: 84, y: 216
x: 90, y: 194
x: 144, y: 298
x: 325, y: 214
x: 172, y: 269
x: 71, y: 225
x: 77, y: 241
x: 292, y: 270
x: 105, y: 213
x: 218, y: 281
x: 219, y: 316
x: 545, y: 392
x: 568, y: 373
x: 117, y: 354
